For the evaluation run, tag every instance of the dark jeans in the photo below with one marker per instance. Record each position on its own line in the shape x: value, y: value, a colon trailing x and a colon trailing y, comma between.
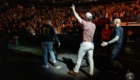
x: 115, y: 52
x: 48, y: 47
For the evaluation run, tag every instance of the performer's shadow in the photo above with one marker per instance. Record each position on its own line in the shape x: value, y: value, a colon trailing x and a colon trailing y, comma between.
x: 69, y: 63
x: 98, y: 65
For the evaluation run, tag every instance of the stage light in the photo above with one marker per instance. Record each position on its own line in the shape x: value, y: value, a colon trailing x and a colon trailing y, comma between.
x: 58, y: 67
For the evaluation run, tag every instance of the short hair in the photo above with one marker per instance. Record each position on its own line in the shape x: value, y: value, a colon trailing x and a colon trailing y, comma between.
x: 89, y: 16
x: 117, y: 20
x: 48, y: 22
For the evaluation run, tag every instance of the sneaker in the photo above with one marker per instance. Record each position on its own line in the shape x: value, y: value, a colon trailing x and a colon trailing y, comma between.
x: 54, y: 64
x: 45, y: 66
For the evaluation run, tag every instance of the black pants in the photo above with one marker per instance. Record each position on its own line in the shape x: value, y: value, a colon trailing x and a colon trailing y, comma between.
x: 4, y: 51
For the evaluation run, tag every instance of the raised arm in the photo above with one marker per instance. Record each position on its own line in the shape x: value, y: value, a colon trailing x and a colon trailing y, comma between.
x: 75, y: 14
x: 111, y: 21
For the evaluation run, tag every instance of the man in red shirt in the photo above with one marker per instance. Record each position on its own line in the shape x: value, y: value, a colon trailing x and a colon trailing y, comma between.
x: 106, y: 32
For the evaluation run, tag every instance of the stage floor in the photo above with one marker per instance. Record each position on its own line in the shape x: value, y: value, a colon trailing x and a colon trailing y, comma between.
x: 26, y: 64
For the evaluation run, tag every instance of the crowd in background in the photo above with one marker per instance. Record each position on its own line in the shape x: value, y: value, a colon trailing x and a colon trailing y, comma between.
x: 2, y: 6
x: 24, y: 19
x: 63, y: 1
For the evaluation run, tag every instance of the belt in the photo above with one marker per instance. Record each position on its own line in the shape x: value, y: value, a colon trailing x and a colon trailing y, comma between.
x: 86, y: 41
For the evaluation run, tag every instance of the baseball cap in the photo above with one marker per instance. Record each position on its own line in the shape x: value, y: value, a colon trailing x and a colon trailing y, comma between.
x: 88, y: 15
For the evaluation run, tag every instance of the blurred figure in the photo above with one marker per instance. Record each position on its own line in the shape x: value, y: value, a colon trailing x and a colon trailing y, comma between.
x: 112, y: 33
x: 130, y: 37
x: 112, y: 36
x: 56, y: 30
x: 63, y: 29
x: 138, y: 17
x: 59, y: 29
x: 70, y: 30
x: 31, y: 35
x: 106, y: 32
x: 76, y: 29
x: 4, y: 41
x: 14, y: 29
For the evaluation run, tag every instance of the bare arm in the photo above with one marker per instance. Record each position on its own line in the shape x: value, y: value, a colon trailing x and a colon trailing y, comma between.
x: 110, y: 42
x: 75, y: 14
x: 114, y: 40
